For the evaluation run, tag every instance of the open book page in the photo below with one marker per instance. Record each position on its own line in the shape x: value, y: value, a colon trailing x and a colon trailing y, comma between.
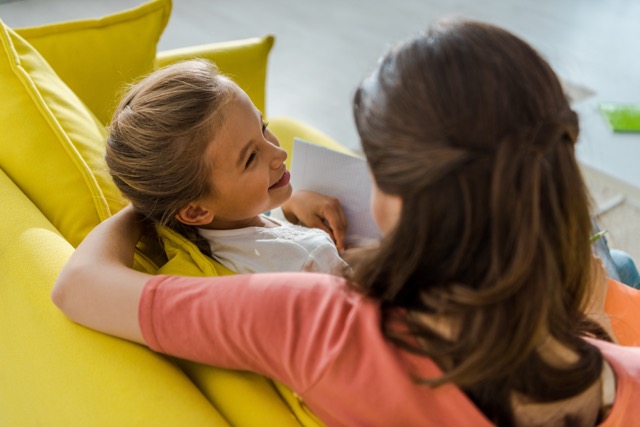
x: 338, y: 175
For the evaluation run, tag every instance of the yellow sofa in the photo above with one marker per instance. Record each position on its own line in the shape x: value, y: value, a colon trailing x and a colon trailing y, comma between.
x: 59, y: 84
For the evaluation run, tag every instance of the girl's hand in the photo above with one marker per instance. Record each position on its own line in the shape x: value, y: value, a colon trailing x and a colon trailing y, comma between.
x: 319, y: 211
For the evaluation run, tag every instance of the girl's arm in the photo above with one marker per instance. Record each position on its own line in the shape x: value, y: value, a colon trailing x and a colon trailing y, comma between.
x: 97, y: 287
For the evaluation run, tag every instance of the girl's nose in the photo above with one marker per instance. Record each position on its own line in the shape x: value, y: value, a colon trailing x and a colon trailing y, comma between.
x: 279, y: 156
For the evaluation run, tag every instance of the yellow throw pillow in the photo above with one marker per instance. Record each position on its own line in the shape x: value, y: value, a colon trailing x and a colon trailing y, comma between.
x: 244, y: 61
x: 52, y: 146
x: 96, y: 57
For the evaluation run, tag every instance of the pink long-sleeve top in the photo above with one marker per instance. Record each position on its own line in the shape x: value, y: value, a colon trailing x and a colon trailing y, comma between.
x: 309, y: 332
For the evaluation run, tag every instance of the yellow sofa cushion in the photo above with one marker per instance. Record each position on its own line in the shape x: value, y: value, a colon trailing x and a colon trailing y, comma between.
x: 52, y: 146
x: 185, y: 259
x: 95, y: 57
x: 55, y: 373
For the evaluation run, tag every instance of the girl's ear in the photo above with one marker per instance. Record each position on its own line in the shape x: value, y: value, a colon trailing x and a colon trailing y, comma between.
x: 195, y: 214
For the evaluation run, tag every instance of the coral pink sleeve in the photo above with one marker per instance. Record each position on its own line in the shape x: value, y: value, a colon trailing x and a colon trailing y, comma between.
x: 288, y: 326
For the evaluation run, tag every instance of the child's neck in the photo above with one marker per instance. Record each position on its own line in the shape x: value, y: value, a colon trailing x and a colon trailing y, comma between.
x: 256, y: 221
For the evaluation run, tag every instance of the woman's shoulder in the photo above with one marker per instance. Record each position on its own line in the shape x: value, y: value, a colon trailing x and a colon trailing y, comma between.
x: 619, y: 354
x: 625, y: 362
x: 622, y: 305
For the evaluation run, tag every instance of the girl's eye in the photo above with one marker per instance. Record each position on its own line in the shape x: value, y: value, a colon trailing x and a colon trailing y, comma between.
x: 250, y: 160
x: 264, y: 126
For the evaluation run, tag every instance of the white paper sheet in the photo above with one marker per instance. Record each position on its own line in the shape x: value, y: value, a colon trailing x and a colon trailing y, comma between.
x: 338, y: 175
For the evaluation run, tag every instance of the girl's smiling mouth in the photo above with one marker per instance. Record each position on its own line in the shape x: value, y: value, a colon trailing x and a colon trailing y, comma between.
x: 284, y: 180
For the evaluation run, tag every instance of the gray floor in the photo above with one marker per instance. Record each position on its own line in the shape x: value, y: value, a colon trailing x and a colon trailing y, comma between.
x: 324, y: 48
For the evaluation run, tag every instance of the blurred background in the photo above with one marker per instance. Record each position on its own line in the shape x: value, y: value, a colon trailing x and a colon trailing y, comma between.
x: 324, y: 48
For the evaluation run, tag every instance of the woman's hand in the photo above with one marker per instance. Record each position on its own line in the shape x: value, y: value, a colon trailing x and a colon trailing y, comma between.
x: 319, y: 211
x: 97, y: 286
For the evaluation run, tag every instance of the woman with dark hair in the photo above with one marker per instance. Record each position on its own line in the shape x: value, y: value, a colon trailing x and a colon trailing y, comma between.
x: 471, y: 311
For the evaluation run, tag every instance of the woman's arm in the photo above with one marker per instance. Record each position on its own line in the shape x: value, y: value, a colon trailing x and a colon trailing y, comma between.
x: 97, y: 287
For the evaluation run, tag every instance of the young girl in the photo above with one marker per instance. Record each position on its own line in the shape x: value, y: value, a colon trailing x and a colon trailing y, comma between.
x: 471, y: 311
x: 189, y: 149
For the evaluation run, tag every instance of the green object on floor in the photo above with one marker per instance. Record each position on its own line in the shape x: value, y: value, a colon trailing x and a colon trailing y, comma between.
x: 622, y: 117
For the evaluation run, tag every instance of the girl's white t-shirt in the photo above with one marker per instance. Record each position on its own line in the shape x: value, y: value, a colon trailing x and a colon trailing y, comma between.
x: 283, y: 248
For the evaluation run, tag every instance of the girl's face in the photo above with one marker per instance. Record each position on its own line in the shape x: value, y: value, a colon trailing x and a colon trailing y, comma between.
x: 248, y: 176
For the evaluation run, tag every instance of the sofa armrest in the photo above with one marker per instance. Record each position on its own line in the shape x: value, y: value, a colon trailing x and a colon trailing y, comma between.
x: 58, y: 374
x: 245, y: 61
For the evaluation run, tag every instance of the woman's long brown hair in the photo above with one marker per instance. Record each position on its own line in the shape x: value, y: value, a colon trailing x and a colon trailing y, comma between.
x: 470, y: 126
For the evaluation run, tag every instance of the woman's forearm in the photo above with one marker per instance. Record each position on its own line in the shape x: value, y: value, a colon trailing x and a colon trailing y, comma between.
x: 97, y: 287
